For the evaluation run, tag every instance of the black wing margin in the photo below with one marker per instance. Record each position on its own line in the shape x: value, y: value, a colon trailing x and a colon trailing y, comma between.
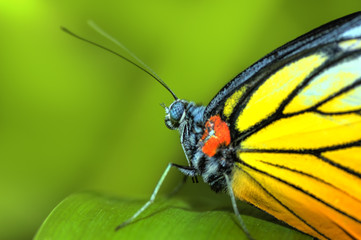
x: 344, y: 28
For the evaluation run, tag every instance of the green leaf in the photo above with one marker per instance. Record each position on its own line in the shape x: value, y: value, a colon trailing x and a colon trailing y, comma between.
x: 95, y: 216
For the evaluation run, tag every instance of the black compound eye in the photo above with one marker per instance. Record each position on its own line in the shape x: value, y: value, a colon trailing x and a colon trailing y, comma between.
x: 176, y: 111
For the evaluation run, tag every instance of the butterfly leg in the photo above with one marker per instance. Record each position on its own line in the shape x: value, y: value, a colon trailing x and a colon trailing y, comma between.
x: 185, y: 170
x: 235, y: 208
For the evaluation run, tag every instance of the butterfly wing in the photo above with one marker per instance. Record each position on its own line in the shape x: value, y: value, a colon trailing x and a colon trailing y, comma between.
x: 344, y: 28
x: 296, y: 123
x: 300, y: 155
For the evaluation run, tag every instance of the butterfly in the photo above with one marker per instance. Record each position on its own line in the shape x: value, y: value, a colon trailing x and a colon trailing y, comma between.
x: 284, y: 135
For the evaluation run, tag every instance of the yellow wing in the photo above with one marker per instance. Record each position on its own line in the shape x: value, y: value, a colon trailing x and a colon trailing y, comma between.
x: 300, y: 142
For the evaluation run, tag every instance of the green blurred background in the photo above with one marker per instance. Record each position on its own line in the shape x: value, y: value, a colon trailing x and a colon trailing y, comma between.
x: 74, y: 117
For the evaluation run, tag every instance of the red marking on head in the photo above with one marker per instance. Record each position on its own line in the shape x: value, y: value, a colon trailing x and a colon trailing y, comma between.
x: 216, y: 134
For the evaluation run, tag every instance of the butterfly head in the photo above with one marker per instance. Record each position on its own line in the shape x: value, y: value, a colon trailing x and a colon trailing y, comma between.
x: 175, y: 114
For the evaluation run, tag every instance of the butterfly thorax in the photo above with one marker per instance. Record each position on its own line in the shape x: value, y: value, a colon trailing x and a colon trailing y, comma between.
x: 205, y: 143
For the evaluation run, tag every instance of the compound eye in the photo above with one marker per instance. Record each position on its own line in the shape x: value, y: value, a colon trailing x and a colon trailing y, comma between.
x: 176, y: 111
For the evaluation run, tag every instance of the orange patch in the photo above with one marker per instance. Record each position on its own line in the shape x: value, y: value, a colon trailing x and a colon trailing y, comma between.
x: 216, y: 134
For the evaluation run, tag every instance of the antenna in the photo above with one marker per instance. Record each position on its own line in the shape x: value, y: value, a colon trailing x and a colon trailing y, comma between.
x: 145, y: 69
